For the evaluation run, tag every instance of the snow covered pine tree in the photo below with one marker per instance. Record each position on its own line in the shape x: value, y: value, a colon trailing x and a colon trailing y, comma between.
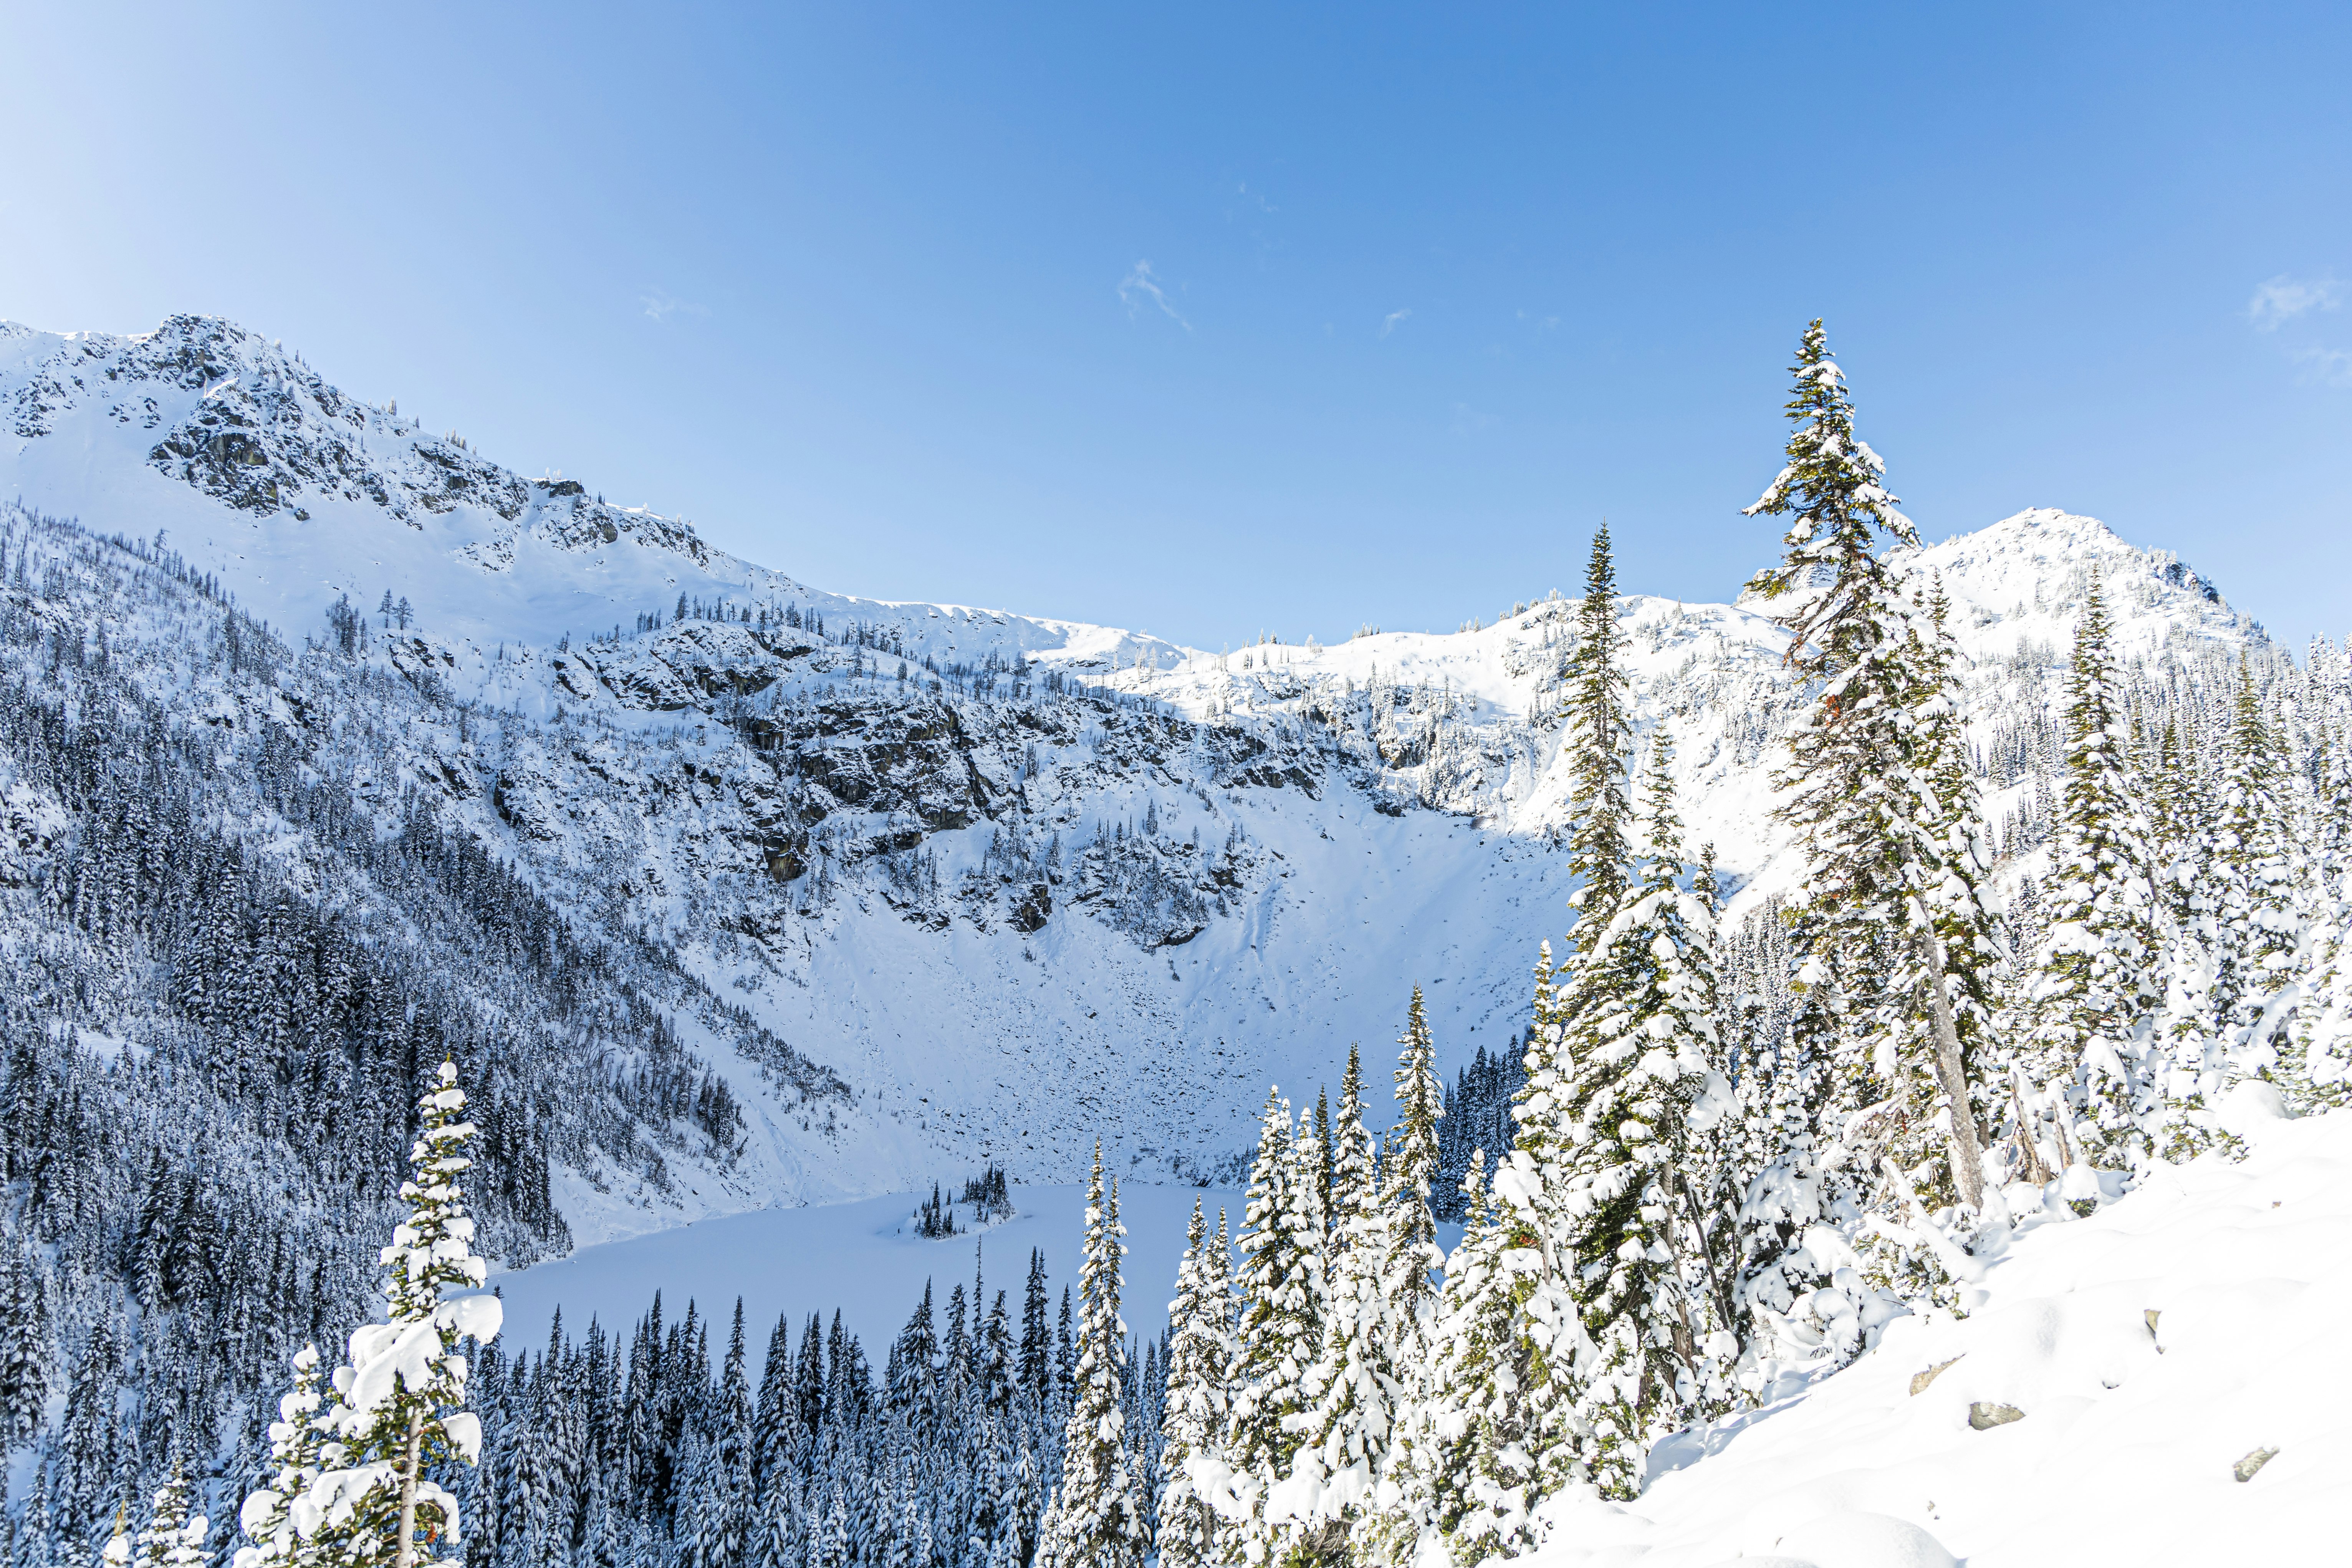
x: 295, y: 1438
x: 1882, y: 806
x: 174, y: 1538
x: 1095, y: 1518
x: 1280, y: 1284
x: 1353, y: 1389
x: 1200, y: 1336
x: 400, y: 1411
x: 2087, y: 1079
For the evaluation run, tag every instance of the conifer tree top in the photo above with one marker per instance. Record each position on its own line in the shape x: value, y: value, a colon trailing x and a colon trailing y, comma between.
x: 1834, y: 486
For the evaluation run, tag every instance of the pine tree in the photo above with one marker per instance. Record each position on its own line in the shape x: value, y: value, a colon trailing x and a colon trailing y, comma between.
x: 174, y: 1538
x: 2259, y: 923
x: 1353, y: 1390
x: 1199, y: 1331
x: 401, y: 1413
x: 775, y: 1422
x: 1280, y: 1286
x: 295, y: 1438
x: 725, y: 1488
x: 1536, y: 1390
x: 1405, y: 1236
x: 1408, y: 1240
x: 1599, y: 733
x: 1036, y: 1338
x: 2095, y: 970
x: 2316, y: 1065
x: 1467, y: 1471
x: 23, y: 1346
x: 1967, y: 953
x: 1094, y: 1519
x: 1640, y: 1061
x: 1875, y: 788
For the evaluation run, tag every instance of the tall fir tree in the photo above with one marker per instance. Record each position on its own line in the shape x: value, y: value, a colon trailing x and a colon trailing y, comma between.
x: 1353, y: 1390
x: 1404, y: 1236
x: 400, y: 1416
x: 23, y: 1336
x: 1199, y: 1334
x: 2257, y: 871
x: 295, y: 1437
x: 2316, y: 1066
x: 1408, y: 1230
x: 1599, y: 736
x: 1877, y: 787
x: 2093, y: 983
x: 1280, y: 1288
x: 725, y: 1492
x: 1602, y: 1130
x: 1536, y: 1390
x: 1095, y: 1518
x: 1465, y: 1474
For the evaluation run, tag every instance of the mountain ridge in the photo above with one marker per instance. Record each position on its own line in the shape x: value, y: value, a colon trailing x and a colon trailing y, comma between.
x: 1017, y: 880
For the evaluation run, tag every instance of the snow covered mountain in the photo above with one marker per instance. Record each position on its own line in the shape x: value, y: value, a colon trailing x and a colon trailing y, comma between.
x: 989, y: 886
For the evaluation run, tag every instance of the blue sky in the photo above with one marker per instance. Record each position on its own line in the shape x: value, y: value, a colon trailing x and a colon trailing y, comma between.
x: 1216, y: 321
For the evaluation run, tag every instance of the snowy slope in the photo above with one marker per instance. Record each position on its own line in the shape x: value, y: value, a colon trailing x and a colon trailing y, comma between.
x: 1012, y: 915
x: 2151, y: 1348
x: 294, y: 494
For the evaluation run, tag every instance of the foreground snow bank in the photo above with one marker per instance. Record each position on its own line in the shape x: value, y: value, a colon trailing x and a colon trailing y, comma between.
x: 2151, y: 1353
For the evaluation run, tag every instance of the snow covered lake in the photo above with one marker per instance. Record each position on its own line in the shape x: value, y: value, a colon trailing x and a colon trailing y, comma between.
x: 863, y: 1258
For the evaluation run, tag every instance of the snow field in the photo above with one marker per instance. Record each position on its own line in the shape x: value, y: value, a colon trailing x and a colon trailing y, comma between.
x: 2132, y: 1427
x: 861, y: 1257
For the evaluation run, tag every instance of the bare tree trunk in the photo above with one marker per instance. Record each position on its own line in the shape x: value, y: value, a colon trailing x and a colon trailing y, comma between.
x: 2035, y: 1168
x: 1967, y: 1160
x: 405, y: 1550
x: 1698, y: 1229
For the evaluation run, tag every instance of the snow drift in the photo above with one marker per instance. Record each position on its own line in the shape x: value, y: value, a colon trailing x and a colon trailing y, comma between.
x: 2162, y: 1383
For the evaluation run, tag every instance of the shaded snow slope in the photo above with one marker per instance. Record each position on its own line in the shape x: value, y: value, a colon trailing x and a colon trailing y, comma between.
x: 1055, y: 881
x: 2151, y: 1348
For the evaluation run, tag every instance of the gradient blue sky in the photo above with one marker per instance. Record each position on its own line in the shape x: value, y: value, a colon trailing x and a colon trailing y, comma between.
x: 1217, y: 319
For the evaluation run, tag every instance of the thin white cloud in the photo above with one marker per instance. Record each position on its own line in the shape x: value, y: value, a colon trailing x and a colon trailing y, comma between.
x: 1388, y: 322
x: 2332, y: 367
x: 1540, y: 323
x: 1141, y: 287
x: 2283, y: 299
x: 661, y: 305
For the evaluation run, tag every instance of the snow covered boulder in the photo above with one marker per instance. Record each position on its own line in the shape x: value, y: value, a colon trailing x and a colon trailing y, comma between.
x: 2252, y: 1109
x: 1864, y: 1540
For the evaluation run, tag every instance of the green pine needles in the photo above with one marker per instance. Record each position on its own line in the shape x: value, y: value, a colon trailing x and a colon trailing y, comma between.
x: 1879, y: 794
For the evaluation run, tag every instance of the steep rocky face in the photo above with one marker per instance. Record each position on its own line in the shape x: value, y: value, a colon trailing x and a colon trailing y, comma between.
x: 1018, y: 882
x: 246, y: 424
x: 803, y: 761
